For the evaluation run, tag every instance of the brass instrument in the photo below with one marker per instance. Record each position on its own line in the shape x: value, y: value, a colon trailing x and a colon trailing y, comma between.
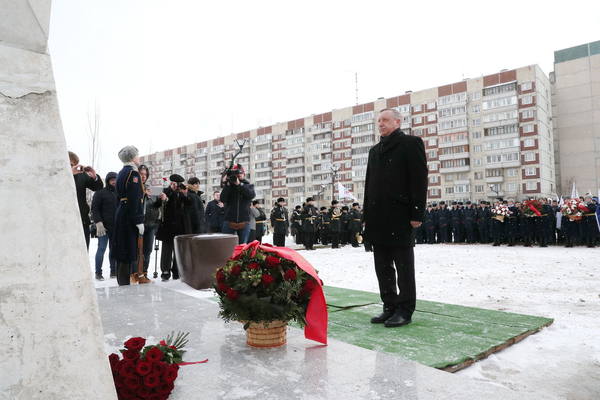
x: 336, y: 212
x: 359, y: 238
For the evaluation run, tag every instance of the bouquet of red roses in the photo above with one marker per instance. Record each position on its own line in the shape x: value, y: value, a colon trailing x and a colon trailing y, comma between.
x: 148, y: 372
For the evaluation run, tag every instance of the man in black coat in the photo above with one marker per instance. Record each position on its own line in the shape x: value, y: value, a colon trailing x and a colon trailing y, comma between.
x: 355, y: 224
x: 444, y: 217
x: 215, y: 213
x: 309, y: 217
x: 195, y: 210
x: 324, y: 222
x: 85, y: 178
x: 280, y: 222
x: 129, y: 218
x: 394, y: 206
x: 173, y: 201
x: 104, y: 206
x: 335, y: 224
x: 237, y: 196
x: 296, y: 224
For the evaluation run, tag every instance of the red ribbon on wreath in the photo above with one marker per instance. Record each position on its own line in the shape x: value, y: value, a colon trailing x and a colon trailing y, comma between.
x: 316, y: 312
x: 583, y: 208
x: 535, y: 210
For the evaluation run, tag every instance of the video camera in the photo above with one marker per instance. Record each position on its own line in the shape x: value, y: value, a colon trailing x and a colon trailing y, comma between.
x: 232, y: 175
x: 234, y: 170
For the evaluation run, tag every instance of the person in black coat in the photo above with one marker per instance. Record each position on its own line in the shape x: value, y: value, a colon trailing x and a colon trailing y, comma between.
x: 129, y: 217
x: 589, y: 222
x: 215, y: 214
x: 394, y: 206
x: 151, y: 218
x: 296, y: 224
x: 310, y: 225
x: 429, y: 224
x: 444, y: 217
x: 85, y: 178
x: 173, y: 201
x: 355, y: 224
x: 335, y: 224
x: 280, y: 222
x: 237, y: 195
x: 104, y: 206
x: 195, y: 210
x: 324, y: 222
x: 483, y: 221
x: 345, y: 223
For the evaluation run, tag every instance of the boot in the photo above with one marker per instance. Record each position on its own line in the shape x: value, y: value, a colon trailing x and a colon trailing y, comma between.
x: 133, y: 279
x: 123, y: 274
x: 142, y: 278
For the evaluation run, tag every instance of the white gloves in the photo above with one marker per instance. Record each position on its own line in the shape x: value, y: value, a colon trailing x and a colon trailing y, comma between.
x: 100, y: 229
x: 140, y: 229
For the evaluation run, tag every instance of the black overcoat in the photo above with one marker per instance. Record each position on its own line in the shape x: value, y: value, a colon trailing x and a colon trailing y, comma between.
x: 130, y: 212
x: 395, y: 189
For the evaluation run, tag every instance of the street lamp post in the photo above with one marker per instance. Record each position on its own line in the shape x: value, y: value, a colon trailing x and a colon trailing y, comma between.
x: 334, y: 171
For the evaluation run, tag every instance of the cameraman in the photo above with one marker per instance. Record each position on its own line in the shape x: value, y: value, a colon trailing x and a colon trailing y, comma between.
x: 173, y: 202
x: 236, y: 195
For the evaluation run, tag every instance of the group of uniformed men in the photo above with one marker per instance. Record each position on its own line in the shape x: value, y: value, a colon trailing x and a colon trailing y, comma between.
x: 474, y: 223
x: 309, y: 225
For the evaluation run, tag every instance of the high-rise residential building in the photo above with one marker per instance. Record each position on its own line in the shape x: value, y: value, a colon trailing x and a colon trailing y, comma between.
x: 485, y: 137
x: 576, y: 117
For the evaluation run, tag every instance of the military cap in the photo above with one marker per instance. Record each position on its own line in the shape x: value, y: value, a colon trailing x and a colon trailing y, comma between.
x: 345, y: 208
x: 281, y: 199
x: 454, y: 203
x: 176, y: 178
x: 354, y: 204
x: 334, y: 202
x: 460, y: 203
x: 128, y: 153
x: 468, y: 201
x: 433, y: 204
x: 442, y: 203
x: 309, y: 199
x: 323, y: 208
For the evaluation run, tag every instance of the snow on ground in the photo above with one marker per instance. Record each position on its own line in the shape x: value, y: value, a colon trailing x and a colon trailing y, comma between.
x: 562, y: 361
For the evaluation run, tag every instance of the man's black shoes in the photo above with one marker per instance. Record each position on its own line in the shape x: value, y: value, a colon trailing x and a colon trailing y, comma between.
x: 99, y: 277
x: 396, y: 320
x: 381, y: 318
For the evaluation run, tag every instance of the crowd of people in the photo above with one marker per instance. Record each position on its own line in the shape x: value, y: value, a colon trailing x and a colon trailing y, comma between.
x: 476, y: 223
x: 132, y: 230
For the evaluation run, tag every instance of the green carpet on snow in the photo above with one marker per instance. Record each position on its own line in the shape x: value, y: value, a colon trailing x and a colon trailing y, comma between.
x: 441, y: 335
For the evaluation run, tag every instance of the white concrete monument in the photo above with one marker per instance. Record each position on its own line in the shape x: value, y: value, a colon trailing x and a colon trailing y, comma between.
x: 50, y: 330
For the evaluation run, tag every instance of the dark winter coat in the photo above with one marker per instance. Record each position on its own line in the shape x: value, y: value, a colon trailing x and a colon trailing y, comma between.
x: 355, y: 221
x: 280, y: 220
x: 237, y: 200
x: 130, y: 212
x: 82, y: 182
x: 104, y: 205
x: 151, y: 218
x: 215, y: 215
x: 174, y: 216
x: 196, y: 213
x: 310, y: 216
x: 395, y: 189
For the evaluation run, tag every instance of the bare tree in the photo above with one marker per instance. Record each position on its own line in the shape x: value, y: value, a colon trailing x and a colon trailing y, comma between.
x: 94, y: 134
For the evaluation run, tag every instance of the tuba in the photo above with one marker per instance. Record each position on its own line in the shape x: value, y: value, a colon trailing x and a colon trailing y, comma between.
x: 337, y: 212
x: 359, y: 238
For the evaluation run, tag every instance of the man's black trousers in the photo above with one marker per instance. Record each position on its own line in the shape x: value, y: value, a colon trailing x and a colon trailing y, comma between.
x: 396, y: 285
x: 168, y: 263
x: 279, y: 239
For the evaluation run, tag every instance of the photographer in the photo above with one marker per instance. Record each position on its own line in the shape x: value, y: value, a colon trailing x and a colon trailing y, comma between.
x: 236, y: 195
x: 173, y: 201
x: 215, y: 213
x: 85, y: 178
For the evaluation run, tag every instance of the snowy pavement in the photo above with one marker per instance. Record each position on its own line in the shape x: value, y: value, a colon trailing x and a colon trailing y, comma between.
x: 562, y: 361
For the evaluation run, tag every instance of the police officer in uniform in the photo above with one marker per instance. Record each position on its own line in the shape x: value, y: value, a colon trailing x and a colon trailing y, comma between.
x: 469, y: 215
x: 444, y: 218
x: 335, y: 225
x: 310, y: 224
x: 324, y: 221
x: 355, y: 225
x: 129, y: 217
x: 280, y: 222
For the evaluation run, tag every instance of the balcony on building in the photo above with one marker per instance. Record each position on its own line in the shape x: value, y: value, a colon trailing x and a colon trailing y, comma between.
x: 442, y: 157
x: 490, y: 193
x: 494, y: 179
x: 463, y: 168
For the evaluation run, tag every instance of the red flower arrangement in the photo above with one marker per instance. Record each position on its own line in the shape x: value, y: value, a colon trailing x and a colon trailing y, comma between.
x: 148, y: 372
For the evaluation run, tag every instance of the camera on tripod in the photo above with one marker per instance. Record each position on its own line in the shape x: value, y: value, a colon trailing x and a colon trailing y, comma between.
x: 233, y: 175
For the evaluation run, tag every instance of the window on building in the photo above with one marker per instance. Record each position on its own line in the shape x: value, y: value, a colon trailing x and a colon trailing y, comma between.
x: 511, y: 172
x: 431, y: 105
x: 525, y: 86
x: 531, y: 185
x: 509, y: 87
x: 431, y: 118
x: 529, y: 156
x: 477, y: 148
x: 529, y: 142
x: 417, y: 120
x: 511, y: 187
x: 477, y: 162
x: 528, y: 128
x: 527, y: 99
x: 431, y: 142
x: 478, y: 175
x: 434, y: 179
x: 530, y: 171
x: 476, y: 109
x: 417, y: 108
x: 476, y: 134
x: 478, y: 188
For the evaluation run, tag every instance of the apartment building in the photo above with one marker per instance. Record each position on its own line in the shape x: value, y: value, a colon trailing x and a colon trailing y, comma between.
x: 576, y: 117
x: 485, y: 137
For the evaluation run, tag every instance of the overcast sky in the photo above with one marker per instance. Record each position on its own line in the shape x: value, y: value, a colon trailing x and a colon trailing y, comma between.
x: 168, y: 73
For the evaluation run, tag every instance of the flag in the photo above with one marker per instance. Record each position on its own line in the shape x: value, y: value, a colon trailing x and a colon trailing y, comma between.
x: 344, y: 193
x: 574, y: 192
